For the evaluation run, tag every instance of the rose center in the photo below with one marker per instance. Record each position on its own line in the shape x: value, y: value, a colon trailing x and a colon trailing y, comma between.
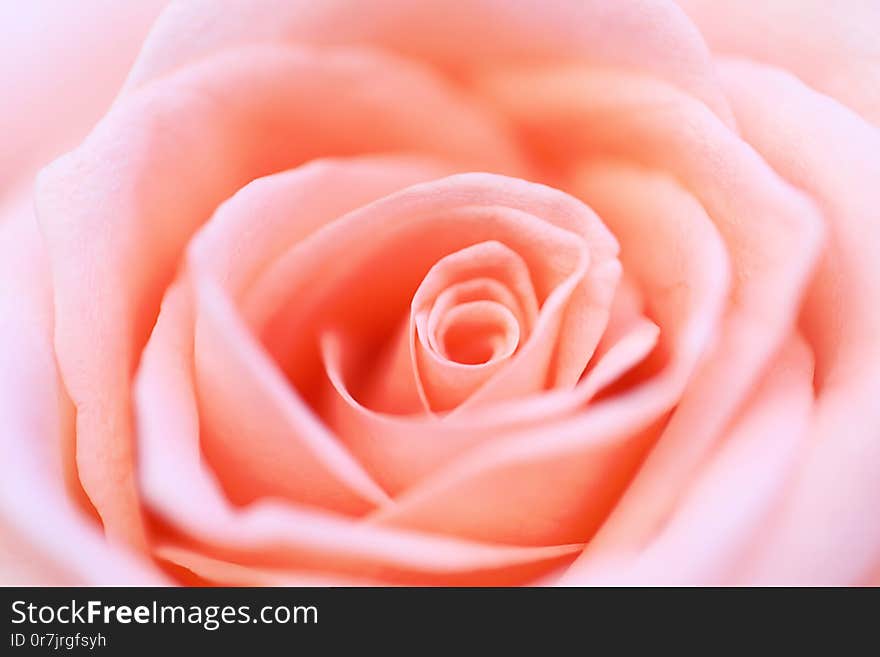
x: 477, y: 333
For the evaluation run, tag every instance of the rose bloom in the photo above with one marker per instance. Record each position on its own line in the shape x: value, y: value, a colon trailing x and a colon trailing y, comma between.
x: 449, y: 292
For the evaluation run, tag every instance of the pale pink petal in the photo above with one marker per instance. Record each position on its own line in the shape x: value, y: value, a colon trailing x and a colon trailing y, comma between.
x: 727, y: 510
x: 117, y: 212
x: 208, y: 570
x: 832, y: 47
x: 772, y: 254
x: 61, y: 55
x: 650, y: 36
x: 257, y: 432
x: 827, y: 531
x: 46, y: 535
x: 180, y: 489
x: 400, y: 451
x: 556, y: 481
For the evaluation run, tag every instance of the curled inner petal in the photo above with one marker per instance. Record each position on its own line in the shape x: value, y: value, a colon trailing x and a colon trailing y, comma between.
x: 476, y: 333
x: 480, y: 289
x: 567, y: 256
x: 463, y: 335
x: 472, y: 341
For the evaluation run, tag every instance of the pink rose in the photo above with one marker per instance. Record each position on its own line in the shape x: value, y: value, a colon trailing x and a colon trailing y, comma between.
x: 447, y: 292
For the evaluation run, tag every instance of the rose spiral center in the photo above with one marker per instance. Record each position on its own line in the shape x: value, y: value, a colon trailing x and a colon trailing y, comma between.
x: 477, y: 333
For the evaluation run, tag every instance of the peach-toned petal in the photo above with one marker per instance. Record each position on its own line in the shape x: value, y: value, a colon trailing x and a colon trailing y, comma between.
x: 70, y: 55
x: 394, y: 450
x: 474, y: 337
x: 45, y: 538
x: 249, y: 416
x: 546, y: 484
x: 335, y: 281
x: 556, y: 328
x: 269, y: 215
x: 390, y: 383
x: 257, y: 432
x: 400, y: 451
x: 827, y: 530
x: 772, y: 254
x: 475, y: 290
x: 628, y: 339
x: 832, y: 47
x: 726, y: 511
x: 179, y: 488
x: 448, y: 373
x: 555, y: 481
x: 226, y: 573
x: 117, y: 211
x: 650, y: 36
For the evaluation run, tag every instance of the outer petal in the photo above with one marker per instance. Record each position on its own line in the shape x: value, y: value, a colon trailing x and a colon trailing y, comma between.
x: 219, y: 572
x: 725, y: 512
x: 772, y: 231
x: 827, y: 532
x: 61, y: 55
x: 649, y: 36
x: 46, y: 537
x: 181, y: 491
x: 831, y: 46
x: 117, y: 212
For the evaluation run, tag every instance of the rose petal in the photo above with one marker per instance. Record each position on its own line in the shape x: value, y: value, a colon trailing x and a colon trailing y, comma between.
x: 724, y: 513
x: 179, y: 488
x: 61, y: 55
x: 227, y: 573
x: 832, y: 48
x: 827, y: 532
x: 555, y: 235
x: 445, y: 381
x: 257, y: 434
x: 39, y: 491
x: 401, y: 451
x: 269, y: 215
x: 557, y: 480
x: 772, y: 254
x: 117, y: 212
x: 648, y: 36
x: 256, y: 431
